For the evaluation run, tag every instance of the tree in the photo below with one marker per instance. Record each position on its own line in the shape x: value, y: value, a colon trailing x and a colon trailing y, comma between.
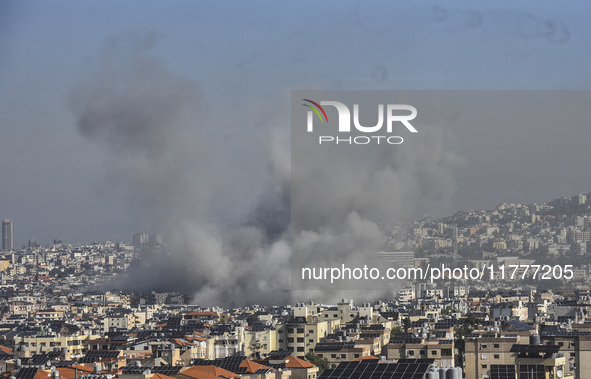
x: 460, y: 332
x: 406, y: 324
x: 396, y: 330
x: 321, y: 363
x: 251, y: 319
x: 447, y: 311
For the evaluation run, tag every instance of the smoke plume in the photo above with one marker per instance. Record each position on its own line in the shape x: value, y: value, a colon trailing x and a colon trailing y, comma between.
x: 226, y: 225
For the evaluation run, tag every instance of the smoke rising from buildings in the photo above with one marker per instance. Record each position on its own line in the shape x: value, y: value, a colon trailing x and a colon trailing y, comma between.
x: 167, y: 160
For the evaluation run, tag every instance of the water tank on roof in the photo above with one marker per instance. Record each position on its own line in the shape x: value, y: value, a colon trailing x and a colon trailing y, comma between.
x: 137, y: 364
x: 97, y: 368
x: 453, y: 373
x: 534, y: 339
x: 443, y: 372
x: 434, y: 374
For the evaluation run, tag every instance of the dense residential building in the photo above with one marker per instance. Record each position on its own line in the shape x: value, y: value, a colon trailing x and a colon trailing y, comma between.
x: 507, y: 323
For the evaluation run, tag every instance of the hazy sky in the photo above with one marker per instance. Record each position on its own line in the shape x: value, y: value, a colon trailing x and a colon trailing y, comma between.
x: 239, y: 61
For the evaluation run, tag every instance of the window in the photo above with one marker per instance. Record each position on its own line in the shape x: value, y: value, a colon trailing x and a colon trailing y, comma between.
x: 280, y: 341
x: 483, y: 356
x: 484, y: 366
x: 483, y: 346
x: 333, y: 356
x: 300, y: 330
x: 291, y: 330
x: 496, y: 345
x: 326, y: 315
x: 290, y: 339
x: 433, y: 352
x: 300, y: 349
x: 335, y: 315
x: 356, y: 355
x: 496, y: 356
x: 280, y: 331
x: 311, y: 331
x: 311, y: 341
x: 343, y: 356
x: 411, y: 353
x: 300, y: 339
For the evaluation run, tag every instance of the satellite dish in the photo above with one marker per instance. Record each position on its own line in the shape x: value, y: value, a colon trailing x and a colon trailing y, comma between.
x: 559, y: 373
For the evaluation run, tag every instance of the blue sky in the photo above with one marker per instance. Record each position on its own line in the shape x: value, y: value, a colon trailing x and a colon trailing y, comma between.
x: 244, y: 58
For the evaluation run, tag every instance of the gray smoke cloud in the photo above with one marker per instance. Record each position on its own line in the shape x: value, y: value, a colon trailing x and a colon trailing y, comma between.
x: 174, y: 170
x: 165, y: 161
x: 343, y: 208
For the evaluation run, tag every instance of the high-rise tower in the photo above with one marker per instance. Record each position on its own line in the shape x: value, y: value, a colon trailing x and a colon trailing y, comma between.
x: 7, y: 235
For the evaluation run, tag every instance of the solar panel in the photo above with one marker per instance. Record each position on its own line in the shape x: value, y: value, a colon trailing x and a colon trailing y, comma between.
x: 535, y: 349
x: 278, y: 354
x: 36, y: 360
x: 416, y: 360
x: 564, y: 333
x: 69, y: 363
x: 334, y: 346
x: 375, y: 370
x: 26, y: 373
x: 373, y: 327
x: 98, y: 355
x: 403, y: 340
x: 532, y: 372
x: 229, y: 363
x: 502, y: 372
x: 166, y: 370
x: 520, y: 326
